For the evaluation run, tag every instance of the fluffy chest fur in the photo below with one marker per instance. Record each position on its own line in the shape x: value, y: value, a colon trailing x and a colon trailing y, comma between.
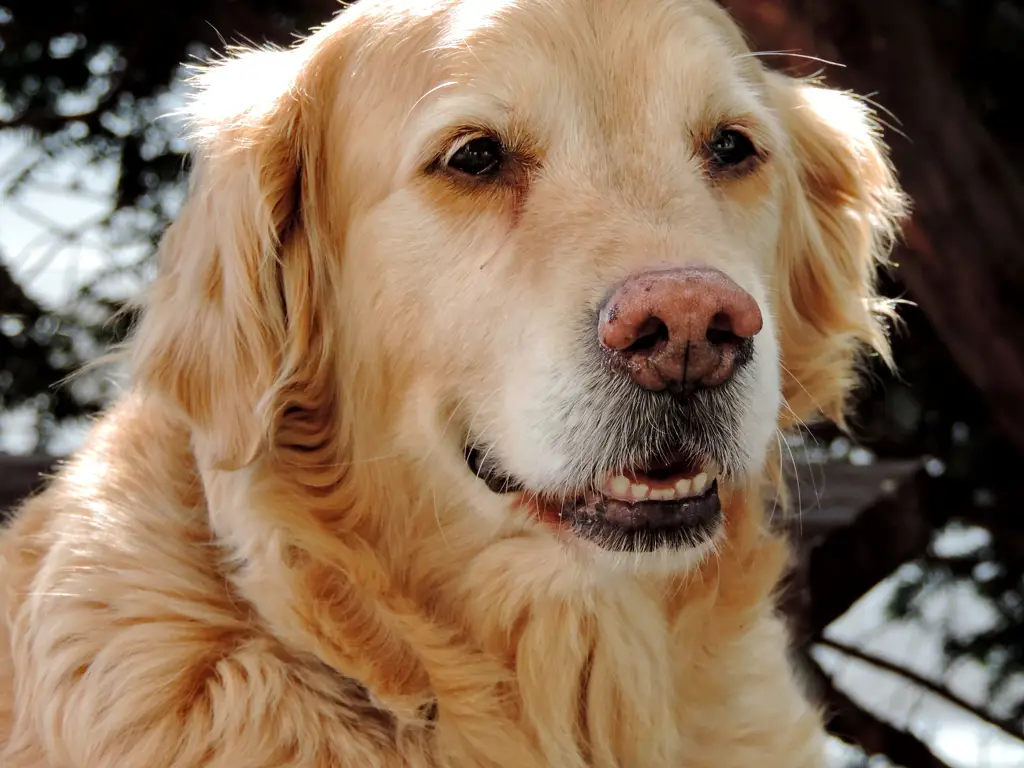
x: 139, y: 638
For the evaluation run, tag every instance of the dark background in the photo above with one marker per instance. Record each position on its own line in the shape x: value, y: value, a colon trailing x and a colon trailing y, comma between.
x: 907, y: 597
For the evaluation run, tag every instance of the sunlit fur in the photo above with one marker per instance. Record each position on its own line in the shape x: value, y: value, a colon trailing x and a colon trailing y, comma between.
x: 271, y: 553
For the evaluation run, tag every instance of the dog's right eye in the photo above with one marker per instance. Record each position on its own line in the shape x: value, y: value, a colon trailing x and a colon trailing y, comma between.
x: 480, y: 157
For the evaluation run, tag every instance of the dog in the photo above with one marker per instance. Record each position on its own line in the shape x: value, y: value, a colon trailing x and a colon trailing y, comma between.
x: 454, y: 407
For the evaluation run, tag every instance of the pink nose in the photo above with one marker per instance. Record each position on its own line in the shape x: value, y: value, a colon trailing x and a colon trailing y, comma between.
x: 679, y: 329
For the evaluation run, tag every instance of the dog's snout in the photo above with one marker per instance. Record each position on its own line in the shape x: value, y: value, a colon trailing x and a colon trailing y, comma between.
x: 679, y: 329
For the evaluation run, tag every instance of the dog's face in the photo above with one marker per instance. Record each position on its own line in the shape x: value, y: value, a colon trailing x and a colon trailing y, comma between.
x: 575, y: 262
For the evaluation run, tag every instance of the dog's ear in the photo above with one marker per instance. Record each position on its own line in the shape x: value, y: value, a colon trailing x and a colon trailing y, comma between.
x: 233, y: 331
x: 842, y: 208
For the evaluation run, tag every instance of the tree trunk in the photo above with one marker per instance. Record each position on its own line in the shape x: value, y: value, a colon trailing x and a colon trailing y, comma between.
x: 962, y: 262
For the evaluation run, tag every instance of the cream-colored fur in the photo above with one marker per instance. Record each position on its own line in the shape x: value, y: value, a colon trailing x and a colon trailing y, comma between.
x: 270, y: 552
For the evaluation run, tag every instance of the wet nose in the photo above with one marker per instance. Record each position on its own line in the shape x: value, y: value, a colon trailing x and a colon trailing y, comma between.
x: 679, y: 329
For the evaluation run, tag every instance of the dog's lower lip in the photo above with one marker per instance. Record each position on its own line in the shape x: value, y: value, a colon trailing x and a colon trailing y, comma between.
x: 636, y: 525
x: 663, y: 514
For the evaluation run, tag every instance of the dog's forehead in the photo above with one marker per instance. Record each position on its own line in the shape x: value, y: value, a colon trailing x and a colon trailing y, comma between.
x: 607, y: 36
x: 562, y: 21
x: 605, y: 57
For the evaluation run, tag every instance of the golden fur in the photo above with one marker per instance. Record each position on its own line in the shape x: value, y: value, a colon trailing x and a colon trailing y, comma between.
x: 270, y: 552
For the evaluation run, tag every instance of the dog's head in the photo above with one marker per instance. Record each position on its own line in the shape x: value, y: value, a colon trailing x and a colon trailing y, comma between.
x: 562, y: 262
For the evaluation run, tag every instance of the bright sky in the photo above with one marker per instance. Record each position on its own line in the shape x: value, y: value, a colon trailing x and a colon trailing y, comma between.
x: 28, y: 224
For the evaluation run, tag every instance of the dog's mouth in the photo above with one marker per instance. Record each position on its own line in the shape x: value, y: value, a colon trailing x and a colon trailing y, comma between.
x: 672, y: 504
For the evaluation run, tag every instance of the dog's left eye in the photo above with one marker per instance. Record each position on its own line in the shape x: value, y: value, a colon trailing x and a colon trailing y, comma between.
x: 729, y: 148
x: 479, y: 157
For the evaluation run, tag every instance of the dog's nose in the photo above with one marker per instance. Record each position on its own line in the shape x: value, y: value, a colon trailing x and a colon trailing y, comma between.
x: 679, y: 329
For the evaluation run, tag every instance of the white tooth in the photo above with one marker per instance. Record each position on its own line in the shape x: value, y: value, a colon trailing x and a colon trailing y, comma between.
x: 620, y: 485
x: 683, y: 487
x: 638, y: 491
x: 699, y: 482
x: 663, y: 494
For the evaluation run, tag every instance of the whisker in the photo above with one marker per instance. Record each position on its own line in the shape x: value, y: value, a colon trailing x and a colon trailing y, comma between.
x: 807, y: 392
x: 437, y: 518
x: 881, y: 108
x: 791, y: 54
x: 430, y: 92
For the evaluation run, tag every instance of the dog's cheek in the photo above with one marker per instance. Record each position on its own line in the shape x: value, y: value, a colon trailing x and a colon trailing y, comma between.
x: 441, y: 282
x: 541, y: 374
x: 763, y: 400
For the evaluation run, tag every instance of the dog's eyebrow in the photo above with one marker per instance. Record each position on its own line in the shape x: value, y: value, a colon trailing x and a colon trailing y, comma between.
x: 440, y: 119
x: 425, y: 97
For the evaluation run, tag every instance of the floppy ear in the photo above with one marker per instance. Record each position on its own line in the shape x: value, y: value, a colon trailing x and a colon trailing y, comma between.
x: 841, y: 210
x: 232, y: 330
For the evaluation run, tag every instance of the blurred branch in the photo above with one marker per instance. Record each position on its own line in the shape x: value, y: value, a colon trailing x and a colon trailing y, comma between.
x: 37, y: 363
x: 13, y: 299
x: 1006, y: 726
x: 850, y: 722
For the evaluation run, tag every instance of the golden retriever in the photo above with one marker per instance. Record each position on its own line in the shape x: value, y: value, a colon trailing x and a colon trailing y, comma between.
x: 455, y: 407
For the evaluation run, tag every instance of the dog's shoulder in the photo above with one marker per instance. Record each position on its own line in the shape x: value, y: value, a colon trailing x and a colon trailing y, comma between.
x: 124, y: 644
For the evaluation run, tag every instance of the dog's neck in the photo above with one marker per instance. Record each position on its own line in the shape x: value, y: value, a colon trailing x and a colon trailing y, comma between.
x: 504, y: 639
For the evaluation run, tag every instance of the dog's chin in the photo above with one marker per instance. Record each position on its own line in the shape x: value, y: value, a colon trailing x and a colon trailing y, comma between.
x: 667, y: 507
